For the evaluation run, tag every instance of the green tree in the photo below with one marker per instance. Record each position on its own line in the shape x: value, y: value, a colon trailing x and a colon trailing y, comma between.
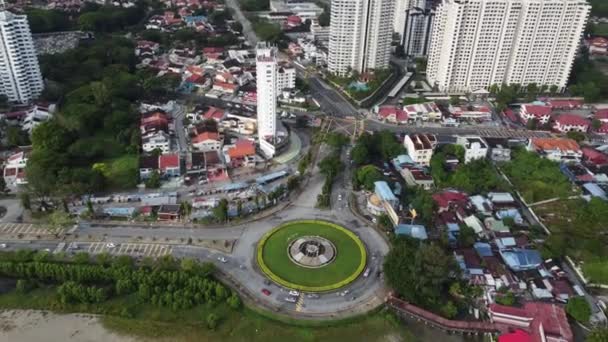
x: 449, y: 310
x: 577, y: 136
x: 419, y: 272
x: 598, y: 335
x: 58, y: 222
x: 212, y: 321
x: 153, y: 182
x: 579, y: 309
x: 596, y: 124
x: 25, y: 200
x: 454, y: 100
x: 221, y: 211
x: 360, y: 154
x: 367, y: 175
x: 466, y: 236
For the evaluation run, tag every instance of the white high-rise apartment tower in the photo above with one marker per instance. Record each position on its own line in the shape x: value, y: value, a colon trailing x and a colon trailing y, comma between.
x: 20, y: 77
x: 478, y: 43
x: 360, y: 35
x: 267, y: 92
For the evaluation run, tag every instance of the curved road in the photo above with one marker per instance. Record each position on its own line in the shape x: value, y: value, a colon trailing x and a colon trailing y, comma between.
x: 364, y: 294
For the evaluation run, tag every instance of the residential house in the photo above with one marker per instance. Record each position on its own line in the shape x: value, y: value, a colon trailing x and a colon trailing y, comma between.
x: 227, y: 88
x: 392, y: 114
x: 286, y: 77
x: 415, y: 231
x: 481, y: 113
x: 207, y: 141
x: 595, y: 158
x: 556, y: 149
x: 14, y: 169
x: 153, y: 122
x: 384, y: 192
x: 427, y: 111
x: 576, y: 173
x: 420, y: 147
x: 541, y: 113
x: 241, y: 154
x: 565, y: 104
x: 541, y: 321
x: 417, y: 176
x: 169, y: 165
x: 598, y: 46
x: 601, y: 115
x: 475, y: 147
x: 571, y: 123
x: 482, y: 205
x: 147, y: 165
x: 168, y: 212
x: 502, y: 200
x: 36, y: 115
x: 499, y: 149
x: 156, y: 141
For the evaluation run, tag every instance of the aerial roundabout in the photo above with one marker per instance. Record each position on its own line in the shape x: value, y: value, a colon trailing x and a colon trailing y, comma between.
x: 311, y: 255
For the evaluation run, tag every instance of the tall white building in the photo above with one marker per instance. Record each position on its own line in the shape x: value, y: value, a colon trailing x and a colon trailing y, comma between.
x: 360, y: 35
x: 415, y: 31
x: 267, y: 91
x: 20, y: 77
x: 477, y: 43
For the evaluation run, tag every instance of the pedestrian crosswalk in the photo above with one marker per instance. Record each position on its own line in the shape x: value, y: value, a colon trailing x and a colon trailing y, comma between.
x: 24, y: 229
x: 300, y: 304
x: 133, y: 249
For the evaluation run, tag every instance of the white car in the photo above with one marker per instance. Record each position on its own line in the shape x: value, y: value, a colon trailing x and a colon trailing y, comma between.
x: 111, y: 245
x: 366, y: 273
x: 2, y: 245
x: 222, y: 259
x: 294, y: 293
x: 291, y: 299
x: 340, y: 197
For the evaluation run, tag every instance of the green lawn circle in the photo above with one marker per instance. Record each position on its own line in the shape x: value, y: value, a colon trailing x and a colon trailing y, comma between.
x: 274, y: 261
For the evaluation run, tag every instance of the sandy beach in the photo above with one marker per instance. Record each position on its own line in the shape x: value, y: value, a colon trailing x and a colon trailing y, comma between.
x: 36, y: 326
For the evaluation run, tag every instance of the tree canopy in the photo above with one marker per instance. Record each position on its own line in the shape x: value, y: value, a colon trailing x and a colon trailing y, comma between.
x: 421, y: 273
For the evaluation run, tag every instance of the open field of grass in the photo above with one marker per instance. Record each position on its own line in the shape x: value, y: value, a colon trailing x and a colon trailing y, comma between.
x: 596, y: 272
x: 348, y: 260
x: 125, y: 316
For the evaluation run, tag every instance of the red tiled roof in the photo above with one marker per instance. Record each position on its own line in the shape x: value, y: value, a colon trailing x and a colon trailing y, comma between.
x: 601, y: 114
x: 294, y: 19
x: 443, y: 199
x: 241, y: 149
x: 225, y: 85
x: 517, y: 336
x: 213, y: 50
x: 387, y: 111
x: 599, y: 42
x: 169, y: 161
x: 214, y: 113
x: 205, y: 136
x: 565, y: 103
x: 551, y: 317
x: 603, y: 128
x: 571, y: 120
x: 508, y: 310
x: 510, y: 114
x: 536, y: 110
x: 562, y: 144
x: 595, y: 156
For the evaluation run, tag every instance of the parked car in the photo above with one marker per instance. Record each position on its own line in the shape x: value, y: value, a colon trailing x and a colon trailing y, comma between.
x: 266, y: 292
x: 222, y: 259
x: 291, y: 299
x: 111, y: 245
x: 294, y: 293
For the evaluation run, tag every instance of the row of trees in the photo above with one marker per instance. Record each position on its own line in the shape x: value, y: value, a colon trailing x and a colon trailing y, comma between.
x: 330, y: 166
x: 81, y: 281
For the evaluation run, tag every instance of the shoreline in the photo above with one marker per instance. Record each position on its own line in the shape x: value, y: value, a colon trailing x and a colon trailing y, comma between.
x: 39, y: 325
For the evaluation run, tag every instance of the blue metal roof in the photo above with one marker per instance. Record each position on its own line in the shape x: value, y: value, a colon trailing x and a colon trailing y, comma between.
x: 384, y: 191
x: 414, y: 230
x: 234, y: 186
x: 119, y: 211
x: 400, y: 160
x: 271, y: 176
x: 483, y: 249
x: 595, y: 190
x: 521, y: 259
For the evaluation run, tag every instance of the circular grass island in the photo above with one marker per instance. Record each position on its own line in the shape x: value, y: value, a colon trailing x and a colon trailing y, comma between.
x: 311, y: 255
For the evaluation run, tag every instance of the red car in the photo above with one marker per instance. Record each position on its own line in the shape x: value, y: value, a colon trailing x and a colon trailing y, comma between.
x: 266, y: 292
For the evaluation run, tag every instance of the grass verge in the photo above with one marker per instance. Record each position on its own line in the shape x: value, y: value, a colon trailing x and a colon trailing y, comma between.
x: 274, y: 260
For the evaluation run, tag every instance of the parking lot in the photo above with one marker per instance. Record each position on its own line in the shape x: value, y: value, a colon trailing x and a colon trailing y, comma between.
x: 132, y: 249
x: 23, y: 228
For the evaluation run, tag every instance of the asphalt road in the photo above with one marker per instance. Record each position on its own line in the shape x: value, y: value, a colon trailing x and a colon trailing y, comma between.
x: 495, y: 132
x: 330, y: 100
x: 248, y: 31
